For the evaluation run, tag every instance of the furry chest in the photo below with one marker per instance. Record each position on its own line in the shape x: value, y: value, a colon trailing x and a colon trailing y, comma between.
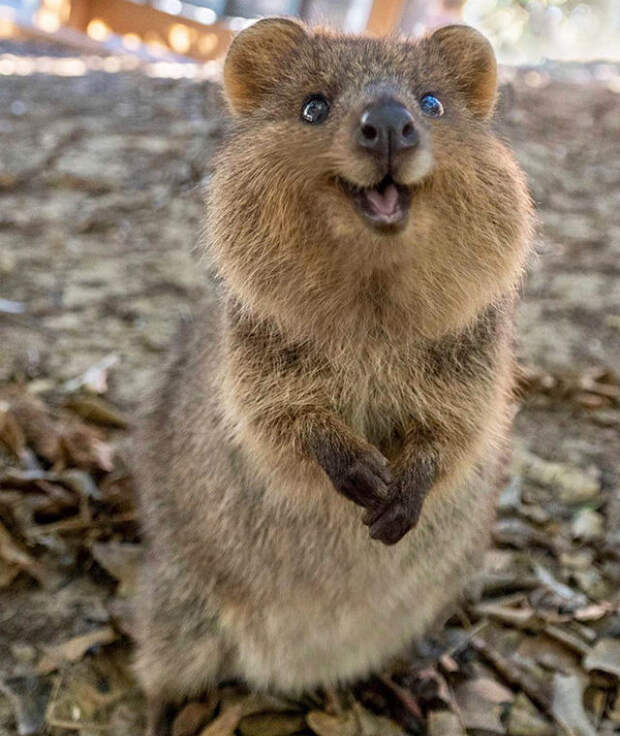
x: 378, y: 397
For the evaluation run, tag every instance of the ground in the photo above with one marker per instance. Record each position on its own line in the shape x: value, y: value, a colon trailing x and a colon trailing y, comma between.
x: 101, y: 181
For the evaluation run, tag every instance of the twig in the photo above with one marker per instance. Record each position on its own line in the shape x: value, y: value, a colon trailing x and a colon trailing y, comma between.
x: 514, y: 676
x: 76, y: 525
x: 403, y: 695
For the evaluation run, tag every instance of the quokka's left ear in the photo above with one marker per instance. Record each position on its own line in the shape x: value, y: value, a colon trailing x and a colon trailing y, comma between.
x: 257, y: 60
x: 471, y: 60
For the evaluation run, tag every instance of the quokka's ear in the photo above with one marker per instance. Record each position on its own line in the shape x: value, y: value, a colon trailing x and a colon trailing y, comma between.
x: 471, y: 60
x: 257, y: 59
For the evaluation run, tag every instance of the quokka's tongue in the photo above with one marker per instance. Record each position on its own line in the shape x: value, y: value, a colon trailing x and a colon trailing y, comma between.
x: 383, y: 204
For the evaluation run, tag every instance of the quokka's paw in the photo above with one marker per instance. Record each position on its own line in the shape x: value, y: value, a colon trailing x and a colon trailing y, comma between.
x: 390, y: 522
x: 401, y: 511
x: 362, y: 476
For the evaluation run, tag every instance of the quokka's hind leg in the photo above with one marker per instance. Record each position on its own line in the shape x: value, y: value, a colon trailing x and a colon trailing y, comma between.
x: 159, y: 716
x: 173, y: 671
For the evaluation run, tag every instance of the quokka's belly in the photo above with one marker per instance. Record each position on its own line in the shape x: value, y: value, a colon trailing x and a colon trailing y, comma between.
x: 376, y: 601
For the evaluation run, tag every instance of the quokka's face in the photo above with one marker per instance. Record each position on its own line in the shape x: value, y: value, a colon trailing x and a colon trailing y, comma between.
x: 363, y: 127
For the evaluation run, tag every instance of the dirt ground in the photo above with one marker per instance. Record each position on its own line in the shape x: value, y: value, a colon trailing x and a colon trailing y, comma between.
x: 100, y: 211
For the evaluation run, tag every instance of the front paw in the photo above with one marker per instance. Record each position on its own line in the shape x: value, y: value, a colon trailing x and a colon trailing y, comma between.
x: 390, y: 522
x: 393, y: 519
x: 362, y: 476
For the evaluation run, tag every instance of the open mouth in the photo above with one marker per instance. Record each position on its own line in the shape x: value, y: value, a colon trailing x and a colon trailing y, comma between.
x: 386, y: 205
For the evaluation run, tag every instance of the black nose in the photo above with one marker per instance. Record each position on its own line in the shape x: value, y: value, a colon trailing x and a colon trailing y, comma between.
x: 387, y: 128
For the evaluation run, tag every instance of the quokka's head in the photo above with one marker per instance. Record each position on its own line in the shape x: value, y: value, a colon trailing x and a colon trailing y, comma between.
x: 351, y: 150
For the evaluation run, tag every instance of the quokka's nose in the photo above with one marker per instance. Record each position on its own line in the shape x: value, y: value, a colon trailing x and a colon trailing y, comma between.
x: 387, y: 128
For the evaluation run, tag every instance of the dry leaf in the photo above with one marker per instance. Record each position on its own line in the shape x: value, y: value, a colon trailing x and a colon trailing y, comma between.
x: 236, y: 707
x: 194, y: 717
x: 563, y: 591
x: 605, y: 656
x: 98, y: 411
x: 272, y: 724
x: 226, y: 723
x: 567, y: 705
x: 94, y: 378
x: 8, y: 572
x: 345, y: 724
x: 121, y: 560
x: 11, y: 434
x: 74, y: 649
x: 525, y: 720
x: 444, y: 723
x: 521, y: 617
x: 588, y: 525
x: 480, y: 702
x: 373, y: 725
x: 14, y: 554
x: 572, y: 484
x: 29, y: 697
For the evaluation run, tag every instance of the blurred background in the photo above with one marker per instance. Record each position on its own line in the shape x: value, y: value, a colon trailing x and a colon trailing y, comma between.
x: 522, y: 31
x: 110, y: 113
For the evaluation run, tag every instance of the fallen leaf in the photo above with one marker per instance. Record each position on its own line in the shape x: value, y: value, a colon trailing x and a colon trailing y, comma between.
x: 8, y: 572
x: 573, y: 485
x: 94, y: 378
x: 523, y: 617
x: 519, y: 534
x: 525, y: 720
x: 74, y: 649
x: 480, y: 703
x: 194, y: 716
x: 345, y: 724
x: 272, y: 724
x: 444, y: 723
x: 236, y: 707
x: 373, y: 725
x: 11, y: 434
x: 569, y: 595
x: 98, y: 411
x: 86, y: 693
x: 604, y: 656
x: 121, y: 560
x: 567, y: 705
x: 594, y: 612
x: 226, y: 723
x: 14, y: 554
x: 588, y: 525
x: 29, y: 697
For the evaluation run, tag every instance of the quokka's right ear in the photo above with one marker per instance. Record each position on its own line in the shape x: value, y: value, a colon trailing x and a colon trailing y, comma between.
x: 257, y: 59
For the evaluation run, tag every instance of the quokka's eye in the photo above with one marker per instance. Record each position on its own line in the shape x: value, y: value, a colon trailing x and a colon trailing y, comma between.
x: 315, y: 109
x: 431, y: 106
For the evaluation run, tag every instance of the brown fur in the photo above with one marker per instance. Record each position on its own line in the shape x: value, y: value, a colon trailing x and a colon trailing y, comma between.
x: 337, y: 358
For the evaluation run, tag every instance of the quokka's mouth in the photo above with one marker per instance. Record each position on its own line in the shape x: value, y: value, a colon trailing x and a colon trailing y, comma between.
x: 385, y: 206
